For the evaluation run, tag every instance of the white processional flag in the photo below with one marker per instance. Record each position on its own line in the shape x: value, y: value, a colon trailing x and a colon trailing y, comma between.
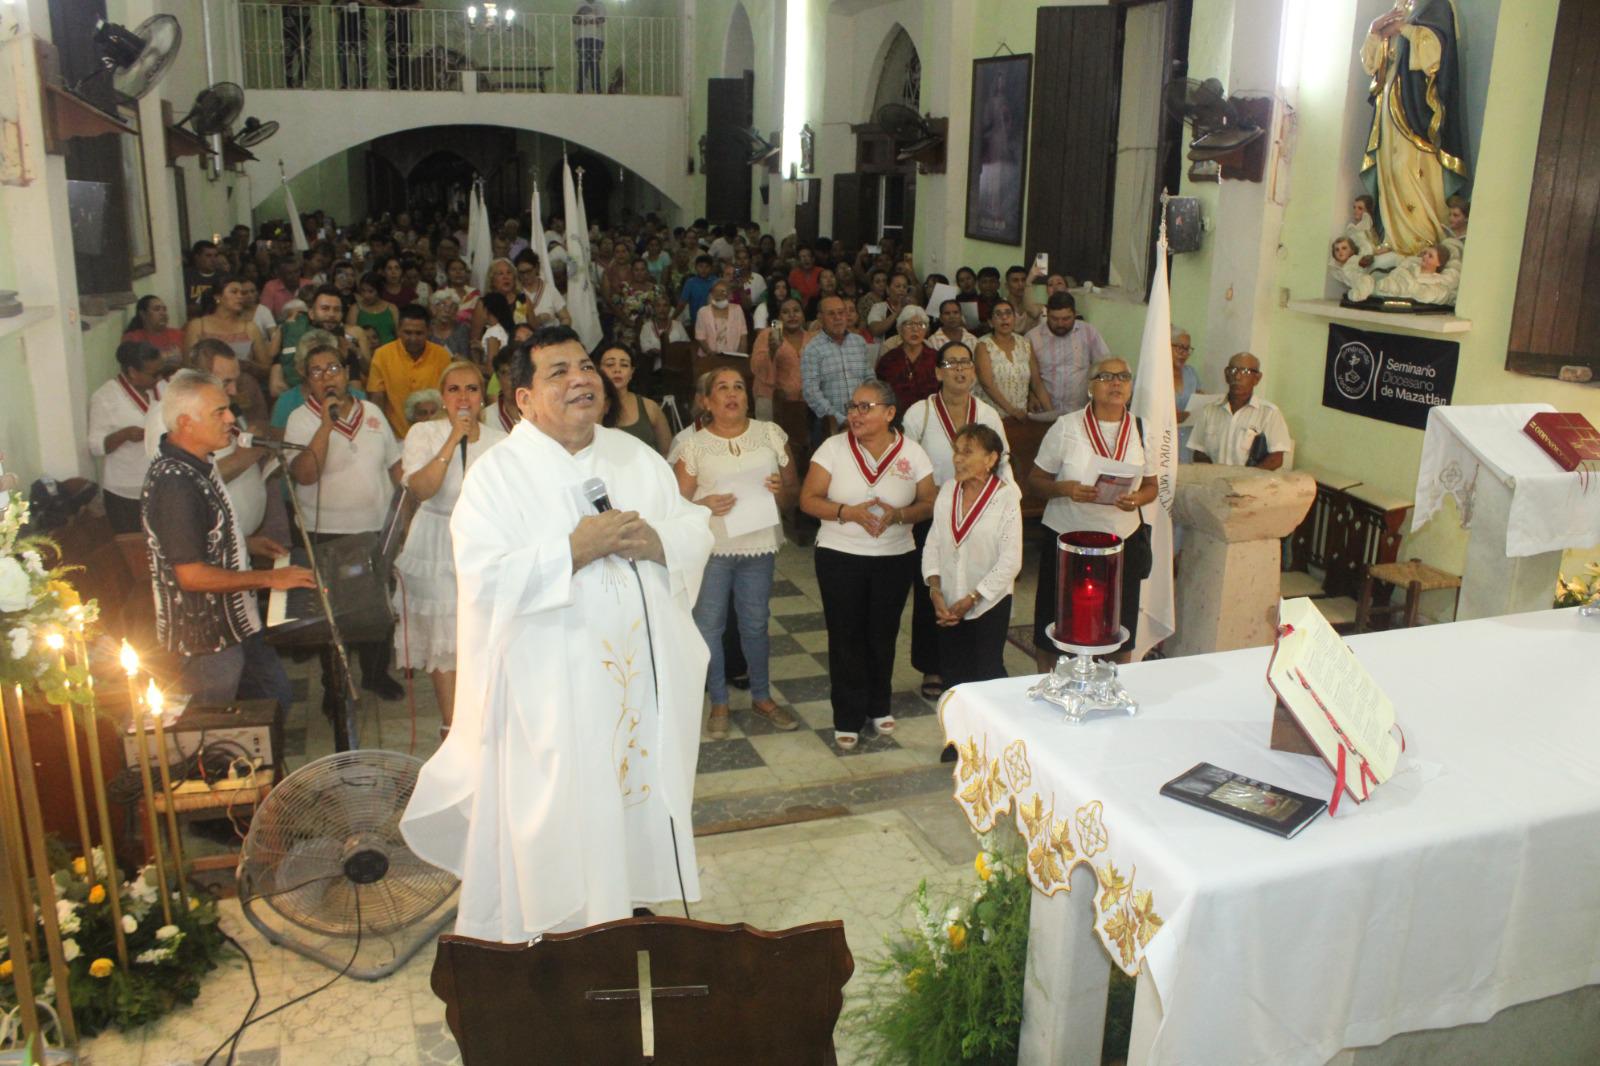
x: 536, y: 234
x: 1155, y: 405
x: 480, y: 241
x: 580, y: 280
x: 297, y: 232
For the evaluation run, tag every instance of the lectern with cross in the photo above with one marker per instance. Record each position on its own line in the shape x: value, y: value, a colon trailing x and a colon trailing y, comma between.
x: 647, y: 990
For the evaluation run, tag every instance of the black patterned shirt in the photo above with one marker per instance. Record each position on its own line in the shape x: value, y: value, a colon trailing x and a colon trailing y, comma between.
x: 188, y: 518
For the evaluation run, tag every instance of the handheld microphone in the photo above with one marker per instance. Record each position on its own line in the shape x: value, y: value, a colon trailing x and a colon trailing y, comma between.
x: 594, y: 490
x: 276, y: 445
x: 463, y: 416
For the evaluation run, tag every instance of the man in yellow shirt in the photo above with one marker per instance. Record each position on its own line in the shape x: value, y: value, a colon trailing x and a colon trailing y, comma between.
x: 403, y: 366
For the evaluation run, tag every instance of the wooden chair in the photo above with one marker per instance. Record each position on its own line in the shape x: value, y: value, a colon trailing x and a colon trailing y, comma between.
x: 677, y: 374
x: 1024, y: 439
x: 658, y: 990
x: 1416, y: 577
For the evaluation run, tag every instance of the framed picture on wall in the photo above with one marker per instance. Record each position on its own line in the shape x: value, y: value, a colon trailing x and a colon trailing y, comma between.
x: 136, y: 205
x: 997, y: 152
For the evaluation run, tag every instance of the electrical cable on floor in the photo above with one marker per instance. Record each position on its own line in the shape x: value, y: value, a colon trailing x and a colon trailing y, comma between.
x: 234, y: 1037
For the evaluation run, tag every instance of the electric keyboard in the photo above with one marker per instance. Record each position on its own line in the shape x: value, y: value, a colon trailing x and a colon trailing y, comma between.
x: 358, y: 590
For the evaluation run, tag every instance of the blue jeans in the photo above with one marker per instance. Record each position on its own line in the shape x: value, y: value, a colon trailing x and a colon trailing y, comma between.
x: 247, y: 671
x: 749, y: 578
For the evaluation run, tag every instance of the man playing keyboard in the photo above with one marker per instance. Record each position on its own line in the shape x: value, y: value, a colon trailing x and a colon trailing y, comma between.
x: 205, y: 612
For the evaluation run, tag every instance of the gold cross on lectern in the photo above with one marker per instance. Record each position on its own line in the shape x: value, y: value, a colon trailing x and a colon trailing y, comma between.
x: 646, y: 994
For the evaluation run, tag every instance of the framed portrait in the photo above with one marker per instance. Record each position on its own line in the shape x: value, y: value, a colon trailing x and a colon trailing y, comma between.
x: 997, y: 152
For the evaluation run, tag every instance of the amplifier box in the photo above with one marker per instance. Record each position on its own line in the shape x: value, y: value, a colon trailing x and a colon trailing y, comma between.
x: 250, y: 726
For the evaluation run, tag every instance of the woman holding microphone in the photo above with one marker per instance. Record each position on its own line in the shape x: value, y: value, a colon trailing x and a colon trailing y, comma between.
x: 433, y: 465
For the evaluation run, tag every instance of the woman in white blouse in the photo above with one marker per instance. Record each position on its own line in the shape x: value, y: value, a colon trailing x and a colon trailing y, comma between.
x: 1064, y: 475
x: 720, y: 327
x: 1008, y: 375
x: 719, y: 456
x: 432, y: 466
x: 867, y: 487
x: 972, y: 558
x: 935, y: 424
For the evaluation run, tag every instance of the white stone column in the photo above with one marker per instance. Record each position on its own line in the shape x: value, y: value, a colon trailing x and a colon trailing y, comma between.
x: 1068, y: 973
x: 1493, y: 583
x: 1234, y: 520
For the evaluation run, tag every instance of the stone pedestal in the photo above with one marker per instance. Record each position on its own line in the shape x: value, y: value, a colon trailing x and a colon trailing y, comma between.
x: 1234, y: 520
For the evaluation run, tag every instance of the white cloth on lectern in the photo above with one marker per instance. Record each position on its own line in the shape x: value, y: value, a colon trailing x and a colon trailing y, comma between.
x: 1551, y: 509
x: 552, y: 794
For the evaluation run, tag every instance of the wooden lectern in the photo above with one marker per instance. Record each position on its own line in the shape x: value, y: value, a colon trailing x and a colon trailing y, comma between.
x: 647, y: 990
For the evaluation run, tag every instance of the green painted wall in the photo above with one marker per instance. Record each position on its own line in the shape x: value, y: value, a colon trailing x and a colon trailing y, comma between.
x: 337, y: 185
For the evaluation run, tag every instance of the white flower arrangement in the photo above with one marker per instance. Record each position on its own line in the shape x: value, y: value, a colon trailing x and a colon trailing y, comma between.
x: 70, y: 949
x: 67, y: 917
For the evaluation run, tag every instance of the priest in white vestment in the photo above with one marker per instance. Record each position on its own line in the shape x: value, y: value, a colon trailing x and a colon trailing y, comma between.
x: 561, y: 796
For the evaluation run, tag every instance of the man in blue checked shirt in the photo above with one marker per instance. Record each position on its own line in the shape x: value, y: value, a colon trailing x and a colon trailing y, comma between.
x: 832, y: 366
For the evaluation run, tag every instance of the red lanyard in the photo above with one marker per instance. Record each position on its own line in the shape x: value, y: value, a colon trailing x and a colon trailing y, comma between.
x: 1097, y: 441
x: 944, y: 415
x: 137, y: 395
x: 869, y: 474
x: 962, y: 526
x: 350, y: 426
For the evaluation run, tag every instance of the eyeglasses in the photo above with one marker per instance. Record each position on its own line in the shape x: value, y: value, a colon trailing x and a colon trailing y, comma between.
x: 1242, y: 371
x: 1182, y: 348
x: 863, y: 408
x: 1109, y: 375
x: 956, y: 364
x: 325, y: 371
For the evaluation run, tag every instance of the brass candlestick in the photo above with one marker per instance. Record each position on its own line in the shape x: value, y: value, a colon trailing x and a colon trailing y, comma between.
x: 16, y: 873
x: 154, y: 700
x: 97, y: 775
x: 45, y: 886
x: 69, y: 729
x: 152, y: 826
x: 12, y: 908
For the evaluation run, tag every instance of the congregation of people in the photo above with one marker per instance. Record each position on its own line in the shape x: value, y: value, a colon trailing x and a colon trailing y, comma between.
x: 380, y: 367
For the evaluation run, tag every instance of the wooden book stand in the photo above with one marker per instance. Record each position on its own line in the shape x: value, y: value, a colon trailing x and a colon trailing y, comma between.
x: 647, y: 990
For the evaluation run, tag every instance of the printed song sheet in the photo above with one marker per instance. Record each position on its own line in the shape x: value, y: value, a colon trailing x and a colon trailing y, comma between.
x: 756, y: 506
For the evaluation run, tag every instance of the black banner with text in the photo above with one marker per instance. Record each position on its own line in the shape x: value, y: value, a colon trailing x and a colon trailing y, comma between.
x: 1387, y: 376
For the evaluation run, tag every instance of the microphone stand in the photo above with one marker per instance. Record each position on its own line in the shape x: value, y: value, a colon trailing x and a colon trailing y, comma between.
x: 344, y: 727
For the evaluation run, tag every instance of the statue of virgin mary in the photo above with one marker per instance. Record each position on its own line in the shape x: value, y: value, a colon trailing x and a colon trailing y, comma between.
x: 1416, y: 155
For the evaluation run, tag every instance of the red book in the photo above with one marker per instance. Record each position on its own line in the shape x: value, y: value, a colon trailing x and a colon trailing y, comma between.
x: 1568, y: 439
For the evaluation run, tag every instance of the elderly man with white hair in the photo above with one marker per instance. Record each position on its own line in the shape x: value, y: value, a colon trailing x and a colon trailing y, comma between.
x: 911, y: 367
x: 205, y: 608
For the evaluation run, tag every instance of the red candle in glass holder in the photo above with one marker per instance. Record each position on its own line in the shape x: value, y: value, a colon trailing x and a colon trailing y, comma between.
x: 1088, y: 589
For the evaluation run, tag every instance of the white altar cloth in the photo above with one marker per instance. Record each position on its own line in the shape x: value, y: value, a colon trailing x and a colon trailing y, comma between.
x: 1469, y: 882
x: 1551, y: 509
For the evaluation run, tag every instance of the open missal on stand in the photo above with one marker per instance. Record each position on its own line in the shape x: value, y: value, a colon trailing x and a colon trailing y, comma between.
x: 1341, y: 711
x: 1211, y: 788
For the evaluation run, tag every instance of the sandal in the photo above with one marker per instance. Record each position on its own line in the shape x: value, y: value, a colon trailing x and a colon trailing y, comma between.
x: 932, y: 686
x: 779, y: 717
x: 846, y: 741
x: 717, y: 723
x: 884, y: 726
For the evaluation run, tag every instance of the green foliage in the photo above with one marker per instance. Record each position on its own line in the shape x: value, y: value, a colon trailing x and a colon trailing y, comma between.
x: 165, y: 962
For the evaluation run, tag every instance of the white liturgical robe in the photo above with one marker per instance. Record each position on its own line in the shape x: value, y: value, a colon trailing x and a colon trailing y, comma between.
x: 557, y: 793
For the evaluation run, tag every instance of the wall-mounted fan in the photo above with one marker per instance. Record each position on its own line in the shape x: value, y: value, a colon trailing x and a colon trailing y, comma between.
x: 135, y: 59
x: 1221, y: 130
x: 916, y: 137
x: 762, y: 149
x: 253, y: 132
x: 215, y: 108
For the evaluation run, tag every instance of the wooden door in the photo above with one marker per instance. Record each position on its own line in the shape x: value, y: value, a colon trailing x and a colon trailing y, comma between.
x: 727, y: 153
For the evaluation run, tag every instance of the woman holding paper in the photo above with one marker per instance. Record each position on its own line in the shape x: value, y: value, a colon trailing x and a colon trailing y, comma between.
x: 867, y: 487
x: 726, y: 467
x: 1102, y: 441
x: 720, y: 327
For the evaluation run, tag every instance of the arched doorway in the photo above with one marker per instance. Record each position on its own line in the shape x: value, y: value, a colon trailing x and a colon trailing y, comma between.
x: 878, y: 201
x: 900, y: 76
x: 739, y: 48
x: 599, y: 179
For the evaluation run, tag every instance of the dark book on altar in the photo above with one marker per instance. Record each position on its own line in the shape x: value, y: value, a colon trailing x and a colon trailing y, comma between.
x: 1244, y: 799
x: 1567, y: 438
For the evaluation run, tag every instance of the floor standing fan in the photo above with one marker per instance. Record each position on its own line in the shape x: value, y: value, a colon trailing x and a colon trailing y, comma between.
x: 330, y: 833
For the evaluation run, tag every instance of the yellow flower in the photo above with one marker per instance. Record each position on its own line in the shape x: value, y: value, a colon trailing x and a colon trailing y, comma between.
x: 66, y: 595
x: 79, y: 867
x: 97, y: 894
x: 911, y: 978
x: 101, y: 968
x: 981, y: 864
x: 957, y: 934
x: 5, y: 970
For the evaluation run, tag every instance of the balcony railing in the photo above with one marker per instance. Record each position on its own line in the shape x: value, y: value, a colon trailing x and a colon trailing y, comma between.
x: 289, y: 46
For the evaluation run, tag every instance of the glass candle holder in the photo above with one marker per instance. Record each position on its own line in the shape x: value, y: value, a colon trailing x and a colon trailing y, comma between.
x: 1088, y: 589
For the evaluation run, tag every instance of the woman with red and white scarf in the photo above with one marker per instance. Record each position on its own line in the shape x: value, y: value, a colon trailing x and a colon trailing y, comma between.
x: 117, y: 413
x: 1063, y: 474
x: 934, y: 424
x: 867, y: 487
